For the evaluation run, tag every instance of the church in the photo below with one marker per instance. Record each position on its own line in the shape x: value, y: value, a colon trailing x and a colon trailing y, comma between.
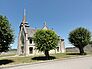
x: 26, y: 45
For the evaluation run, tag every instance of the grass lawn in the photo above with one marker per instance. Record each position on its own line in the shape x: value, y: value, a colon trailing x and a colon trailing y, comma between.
x: 30, y: 59
x: 7, y: 55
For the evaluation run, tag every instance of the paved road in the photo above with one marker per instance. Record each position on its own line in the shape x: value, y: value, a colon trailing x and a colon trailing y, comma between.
x: 78, y: 63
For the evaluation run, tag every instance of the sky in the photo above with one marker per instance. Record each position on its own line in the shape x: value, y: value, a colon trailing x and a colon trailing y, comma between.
x: 61, y: 15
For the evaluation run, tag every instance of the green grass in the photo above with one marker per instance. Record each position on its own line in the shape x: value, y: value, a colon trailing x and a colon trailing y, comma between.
x: 30, y: 59
x: 7, y: 55
x: 65, y: 55
x: 15, y: 60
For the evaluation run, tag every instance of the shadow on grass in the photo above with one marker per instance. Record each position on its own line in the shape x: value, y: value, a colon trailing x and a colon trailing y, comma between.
x: 43, y: 58
x: 75, y: 54
x: 5, y: 61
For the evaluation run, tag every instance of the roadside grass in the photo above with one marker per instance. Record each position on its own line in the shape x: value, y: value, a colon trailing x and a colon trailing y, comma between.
x: 63, y: 55
x: 30, y: 59
x: 16, y: 60
x: 89, y: 53
x: 5, y: 55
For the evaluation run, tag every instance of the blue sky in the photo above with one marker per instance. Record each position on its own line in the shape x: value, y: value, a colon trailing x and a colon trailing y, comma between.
x: 61, y: 15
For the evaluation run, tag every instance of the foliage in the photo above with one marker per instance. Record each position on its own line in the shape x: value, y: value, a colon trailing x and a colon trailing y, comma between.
x: 80, y: 37
x: 46, y: 40
x: 6, y: 34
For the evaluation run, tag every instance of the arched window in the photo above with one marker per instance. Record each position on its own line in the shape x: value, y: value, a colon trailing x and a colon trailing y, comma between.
x: 57, y: 49
x: 30, y: 40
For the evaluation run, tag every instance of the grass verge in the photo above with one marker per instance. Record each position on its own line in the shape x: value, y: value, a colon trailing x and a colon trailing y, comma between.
x: 22, y: 59
x: 7, y: 55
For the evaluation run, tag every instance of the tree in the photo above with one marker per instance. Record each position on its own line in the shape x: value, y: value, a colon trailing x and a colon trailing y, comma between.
x: 6, y: 34
x: 45, y: 41
x: 80, y: 37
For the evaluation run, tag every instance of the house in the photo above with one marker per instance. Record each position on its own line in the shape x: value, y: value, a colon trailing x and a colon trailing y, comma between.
x: 26, y: 45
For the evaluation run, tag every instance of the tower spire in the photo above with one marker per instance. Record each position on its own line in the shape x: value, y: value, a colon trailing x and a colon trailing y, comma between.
x: 24, y: 17
x: 24, y: 22
x: 24, y: 12
x: 45, y: 26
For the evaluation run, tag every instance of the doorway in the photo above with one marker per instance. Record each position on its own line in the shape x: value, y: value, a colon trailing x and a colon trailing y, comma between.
x: 31, y: 50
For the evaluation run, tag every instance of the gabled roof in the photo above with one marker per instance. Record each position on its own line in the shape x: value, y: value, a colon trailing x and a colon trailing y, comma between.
x: 30, y: 31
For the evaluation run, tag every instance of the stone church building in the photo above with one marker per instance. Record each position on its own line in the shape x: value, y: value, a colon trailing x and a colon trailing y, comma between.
x: 26, y: 45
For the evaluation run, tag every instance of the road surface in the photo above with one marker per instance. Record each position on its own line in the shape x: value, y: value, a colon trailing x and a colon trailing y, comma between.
x: 75, y: 63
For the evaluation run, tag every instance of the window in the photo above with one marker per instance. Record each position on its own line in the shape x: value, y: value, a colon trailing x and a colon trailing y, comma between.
x: 30, y: 40
x: 57, y: 49
x: 31, y: 50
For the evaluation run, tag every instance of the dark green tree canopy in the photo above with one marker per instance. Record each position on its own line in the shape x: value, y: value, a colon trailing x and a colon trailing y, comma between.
x: 80, y: 37
x: 6, y: 34
x: 45, y: 40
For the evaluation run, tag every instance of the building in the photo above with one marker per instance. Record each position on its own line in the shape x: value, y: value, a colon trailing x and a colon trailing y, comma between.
x: 26, y: 45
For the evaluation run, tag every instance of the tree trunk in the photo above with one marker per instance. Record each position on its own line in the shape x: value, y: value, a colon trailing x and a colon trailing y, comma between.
x: 47, y: 54
x: 81, y: 51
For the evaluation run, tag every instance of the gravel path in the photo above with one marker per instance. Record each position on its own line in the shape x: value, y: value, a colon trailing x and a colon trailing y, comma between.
x: 77, y: 63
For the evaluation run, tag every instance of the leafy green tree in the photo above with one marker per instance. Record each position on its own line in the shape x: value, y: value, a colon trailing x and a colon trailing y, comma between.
x: 6, y: 34
x: 80, y: 37
x: 45, y: 41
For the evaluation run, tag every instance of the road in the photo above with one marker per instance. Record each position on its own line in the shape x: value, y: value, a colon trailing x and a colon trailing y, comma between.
x: 75, y: 63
